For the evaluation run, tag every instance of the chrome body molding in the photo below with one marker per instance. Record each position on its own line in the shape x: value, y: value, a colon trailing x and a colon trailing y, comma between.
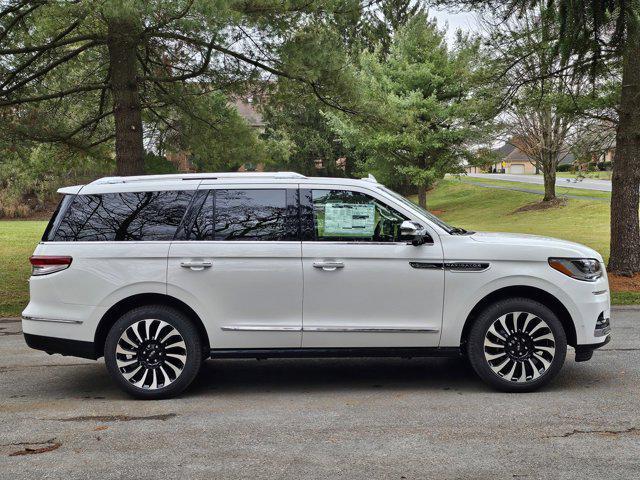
x: 52, y: 320
x: 266, y: 328
x: 259, y: 328
x: 373, y: 329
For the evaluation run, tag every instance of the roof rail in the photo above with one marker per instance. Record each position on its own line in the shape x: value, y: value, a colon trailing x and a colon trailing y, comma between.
x: 196, y: 176
x: 369, y: 178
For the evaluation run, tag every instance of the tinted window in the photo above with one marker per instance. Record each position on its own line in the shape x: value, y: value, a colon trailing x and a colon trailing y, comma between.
x: 251, y: 215
x: 124, y: 216
x: 342, y: 215
x: 201, y: 225
x: 57, y: 217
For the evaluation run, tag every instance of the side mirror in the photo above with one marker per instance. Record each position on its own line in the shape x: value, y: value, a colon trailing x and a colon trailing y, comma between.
x: 415, y: 233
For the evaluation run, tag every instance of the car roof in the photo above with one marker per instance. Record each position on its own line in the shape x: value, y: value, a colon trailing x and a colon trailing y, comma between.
x: 192, y: 180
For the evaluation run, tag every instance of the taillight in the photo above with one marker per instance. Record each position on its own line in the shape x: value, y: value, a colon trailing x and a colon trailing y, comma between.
x: 45, y: 264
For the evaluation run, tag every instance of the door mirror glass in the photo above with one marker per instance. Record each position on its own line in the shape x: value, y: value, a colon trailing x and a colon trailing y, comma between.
x: 414, y: 233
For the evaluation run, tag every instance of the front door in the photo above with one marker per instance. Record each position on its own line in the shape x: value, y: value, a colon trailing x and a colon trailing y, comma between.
x: 363, y: 285
x: 238, y: 265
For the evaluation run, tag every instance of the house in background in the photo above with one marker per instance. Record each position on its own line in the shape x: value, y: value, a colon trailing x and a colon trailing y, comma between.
x: 511, y: 159
x: 247, y: 110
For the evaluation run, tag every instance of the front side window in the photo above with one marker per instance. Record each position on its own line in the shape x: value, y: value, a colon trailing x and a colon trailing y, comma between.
x: 343, y: 215
x: 247, y: 214
x: 123, y: 216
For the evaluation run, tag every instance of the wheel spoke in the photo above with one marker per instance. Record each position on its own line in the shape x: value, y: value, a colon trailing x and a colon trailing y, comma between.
x: 130, y: 340
x: 160, y: 327
x: 515, y: 320
x: 126, y: 363
x: 499, y: 367
x: 124, y: 351
x: 538, y: 327
x: 492, y: 357
x: 546, y: 336
x: 509, y: 376
x: 543, y: 361
x: 179, y: 343
x: 493, y: 330
x: 140, y: 383
x: 489, y: 343
x: 503, y: 322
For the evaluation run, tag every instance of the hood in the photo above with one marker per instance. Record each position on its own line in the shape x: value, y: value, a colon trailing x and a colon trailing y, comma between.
x: 554, y: 246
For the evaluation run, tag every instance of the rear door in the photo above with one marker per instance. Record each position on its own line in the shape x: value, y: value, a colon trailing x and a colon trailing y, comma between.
x: 364, y: 286
x: 237, y: 263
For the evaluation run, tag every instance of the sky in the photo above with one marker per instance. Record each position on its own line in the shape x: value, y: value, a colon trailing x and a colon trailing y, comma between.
x: 465, y: 21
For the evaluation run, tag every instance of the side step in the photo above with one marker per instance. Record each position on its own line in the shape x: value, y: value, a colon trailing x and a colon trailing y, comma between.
x: 402, y: 352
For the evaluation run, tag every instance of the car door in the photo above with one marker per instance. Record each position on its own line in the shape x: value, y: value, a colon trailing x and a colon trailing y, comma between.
x: 237, y: 263
x: 364, y: 286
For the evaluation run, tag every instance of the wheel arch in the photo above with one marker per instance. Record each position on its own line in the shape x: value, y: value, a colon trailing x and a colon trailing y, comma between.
x: 118, y: 309
x: 523, y: 291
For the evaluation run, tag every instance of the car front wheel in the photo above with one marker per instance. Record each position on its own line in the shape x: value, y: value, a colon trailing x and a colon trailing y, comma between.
x: 153, y: 352
x: 517, y: 345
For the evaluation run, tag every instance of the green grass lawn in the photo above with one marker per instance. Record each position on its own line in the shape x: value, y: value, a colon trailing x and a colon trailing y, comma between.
x: 17, y: 241
x: 460, y: 203
x: 580, y: 192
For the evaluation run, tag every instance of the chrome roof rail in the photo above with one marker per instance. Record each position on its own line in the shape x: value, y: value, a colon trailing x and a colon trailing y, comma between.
x: 196, y: 176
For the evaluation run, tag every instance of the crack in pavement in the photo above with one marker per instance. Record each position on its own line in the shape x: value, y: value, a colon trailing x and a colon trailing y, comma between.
x: 115, y: 418
x: 33, y: 448
x: 596, y: 432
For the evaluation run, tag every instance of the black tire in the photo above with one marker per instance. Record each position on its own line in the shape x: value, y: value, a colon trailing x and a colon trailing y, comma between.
x: 160, y: 359
x: 529, y: 353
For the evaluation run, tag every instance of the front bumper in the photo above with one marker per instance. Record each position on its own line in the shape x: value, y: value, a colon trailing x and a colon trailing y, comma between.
x: 585, y: 352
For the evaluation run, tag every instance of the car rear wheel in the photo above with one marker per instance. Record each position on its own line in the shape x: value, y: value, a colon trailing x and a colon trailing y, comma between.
x: 517, y: 345
x: 153, y: 352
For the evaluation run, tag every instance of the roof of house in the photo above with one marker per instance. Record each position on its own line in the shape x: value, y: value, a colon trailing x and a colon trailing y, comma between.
x: 248, y: 111
x: 510, y: 153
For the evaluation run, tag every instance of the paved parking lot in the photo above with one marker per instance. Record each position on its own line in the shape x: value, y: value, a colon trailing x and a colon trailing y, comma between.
x: 305, y: 419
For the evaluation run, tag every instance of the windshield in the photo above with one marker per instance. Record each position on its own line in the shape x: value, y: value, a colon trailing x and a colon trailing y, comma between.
x: 445, y: 226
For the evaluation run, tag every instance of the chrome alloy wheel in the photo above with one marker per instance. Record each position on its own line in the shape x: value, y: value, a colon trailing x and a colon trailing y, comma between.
x: 519, y: 347
x: 151, y: 354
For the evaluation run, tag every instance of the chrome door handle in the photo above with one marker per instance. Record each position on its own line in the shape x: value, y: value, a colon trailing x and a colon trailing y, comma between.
x: 196, y: 265
x: 328, y: 266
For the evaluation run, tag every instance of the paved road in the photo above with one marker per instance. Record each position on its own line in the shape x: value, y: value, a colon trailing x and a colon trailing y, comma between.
x: 586, y: 184
x: 323, y: 419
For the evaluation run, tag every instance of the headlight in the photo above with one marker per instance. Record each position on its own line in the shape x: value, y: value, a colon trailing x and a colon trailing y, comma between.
x: 585, y: 269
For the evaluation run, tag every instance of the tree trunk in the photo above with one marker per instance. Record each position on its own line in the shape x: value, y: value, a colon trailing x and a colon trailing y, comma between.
x: 122, y: 42
x: 549, y: 174
x: 625, y: 231
x: 422, y: 196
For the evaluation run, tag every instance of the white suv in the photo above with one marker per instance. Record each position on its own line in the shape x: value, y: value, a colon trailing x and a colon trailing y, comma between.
x: 159, y: 273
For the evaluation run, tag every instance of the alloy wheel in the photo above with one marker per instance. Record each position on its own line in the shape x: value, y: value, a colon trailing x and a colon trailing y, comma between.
x: 151, y: 354
x: 519, y: 347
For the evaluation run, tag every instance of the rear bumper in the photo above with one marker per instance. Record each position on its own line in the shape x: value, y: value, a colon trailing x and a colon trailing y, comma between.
x: 63, y: 346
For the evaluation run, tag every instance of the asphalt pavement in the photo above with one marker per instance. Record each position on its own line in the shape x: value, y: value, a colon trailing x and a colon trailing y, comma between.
x: 585, y: 184
x: 322, y: 419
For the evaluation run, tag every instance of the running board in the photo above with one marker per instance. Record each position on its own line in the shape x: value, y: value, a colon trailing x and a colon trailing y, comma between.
x: 403, y: 352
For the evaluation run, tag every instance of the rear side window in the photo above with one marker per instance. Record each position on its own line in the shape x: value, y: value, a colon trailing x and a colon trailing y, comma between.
x: 123, y: 216
x: 247, y: 214
x: 57, y: 217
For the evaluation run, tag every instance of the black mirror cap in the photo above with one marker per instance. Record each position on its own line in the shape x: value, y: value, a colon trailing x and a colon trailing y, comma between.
x: 422, y: 239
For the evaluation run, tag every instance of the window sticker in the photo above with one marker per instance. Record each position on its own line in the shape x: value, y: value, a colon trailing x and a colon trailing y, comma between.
x: 349, y: 219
